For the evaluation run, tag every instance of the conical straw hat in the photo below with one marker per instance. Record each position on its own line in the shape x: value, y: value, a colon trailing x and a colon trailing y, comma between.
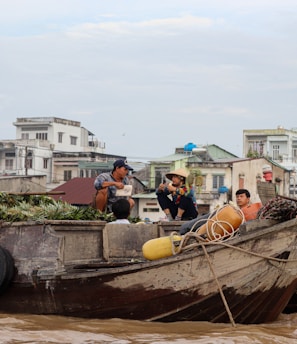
x: 182, y: 172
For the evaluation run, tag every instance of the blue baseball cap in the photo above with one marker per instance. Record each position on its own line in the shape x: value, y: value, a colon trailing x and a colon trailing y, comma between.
x: 121, y: 163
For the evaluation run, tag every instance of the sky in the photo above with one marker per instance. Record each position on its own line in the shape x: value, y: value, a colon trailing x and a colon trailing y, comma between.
x: 146, y: 77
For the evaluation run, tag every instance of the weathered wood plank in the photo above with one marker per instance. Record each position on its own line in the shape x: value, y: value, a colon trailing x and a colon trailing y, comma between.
x: 124, y: 241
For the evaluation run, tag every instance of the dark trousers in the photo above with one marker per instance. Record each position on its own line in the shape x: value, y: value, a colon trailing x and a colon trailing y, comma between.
x: 186, y: 203
x: 193, y: 224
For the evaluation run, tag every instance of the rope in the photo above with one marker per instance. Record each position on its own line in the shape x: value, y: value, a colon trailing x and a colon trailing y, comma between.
x: 179, y: 246
x: 176, y: 250
x: 175, y: 244
x: 218, y: 229
x: 219, y: 287
x: 202, y: 240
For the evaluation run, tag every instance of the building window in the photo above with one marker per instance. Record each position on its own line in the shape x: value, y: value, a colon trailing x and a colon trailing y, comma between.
x: 41, y: 136
x: 45, y: 163
x: 294, y: 154
x: 255, y: 149
x: 275, y: 152
x: 41, y: 128
x: 217, y: 181
x: 8, y: 164
x: 10, y: 154
x: 60, y: 137
x: 93, y: 174
x: 160, y: 175
x: 67, y: 175
x: 292, y: 189
x: 29, y: 162
x: 151, y: 210
x: 25, y: 136
x: 73, y: 140
x: 29, y: 159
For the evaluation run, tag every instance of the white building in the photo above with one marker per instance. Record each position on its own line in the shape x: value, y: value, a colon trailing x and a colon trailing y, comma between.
x: 39, y: 146
x: 63, y: 134
x: 279, y: 145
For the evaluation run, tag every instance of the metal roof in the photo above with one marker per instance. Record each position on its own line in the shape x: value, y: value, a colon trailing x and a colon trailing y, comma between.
x: 170, y: 158
x: 78, y: 191
x: 145, y: 195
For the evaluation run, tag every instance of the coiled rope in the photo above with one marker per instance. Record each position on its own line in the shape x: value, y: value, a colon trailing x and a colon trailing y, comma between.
x: 220, y: 224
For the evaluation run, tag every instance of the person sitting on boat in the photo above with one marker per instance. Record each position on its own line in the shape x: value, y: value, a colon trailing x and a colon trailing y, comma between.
x: 121, y: 210
x: 249, y: 210
x: 113, y: 185
x: 182, y: 205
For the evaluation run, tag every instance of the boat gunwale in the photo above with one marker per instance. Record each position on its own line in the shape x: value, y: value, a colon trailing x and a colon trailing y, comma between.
x: 134, y: 265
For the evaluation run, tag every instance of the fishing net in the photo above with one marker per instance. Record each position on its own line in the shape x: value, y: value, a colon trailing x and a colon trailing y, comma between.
x: 279, y: 208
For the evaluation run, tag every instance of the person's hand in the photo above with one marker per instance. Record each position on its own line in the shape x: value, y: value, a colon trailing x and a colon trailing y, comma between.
x: 119, y: 185
x: 171, y: 188
x: 161, y: 187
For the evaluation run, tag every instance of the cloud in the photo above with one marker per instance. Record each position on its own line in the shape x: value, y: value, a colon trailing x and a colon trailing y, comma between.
x: 156, y: 27
x: 164, y: 73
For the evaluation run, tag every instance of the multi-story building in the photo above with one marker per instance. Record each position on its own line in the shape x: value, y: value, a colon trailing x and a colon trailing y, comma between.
x: 49, y: 146
x: 55, y: 150
x: 216, y: 176
x: 63, y: 134
x: 278, y: 145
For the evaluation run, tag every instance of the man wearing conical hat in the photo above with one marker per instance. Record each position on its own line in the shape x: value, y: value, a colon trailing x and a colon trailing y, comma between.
x: 181, y: 206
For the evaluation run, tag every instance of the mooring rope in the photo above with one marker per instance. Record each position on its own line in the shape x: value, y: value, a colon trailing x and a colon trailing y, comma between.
x: 176, y: 250
x: 219, y: 287
x: 180, y: 245
x: 203, y: 241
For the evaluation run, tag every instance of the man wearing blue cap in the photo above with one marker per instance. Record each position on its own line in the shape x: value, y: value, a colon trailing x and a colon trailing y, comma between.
x: 113, y: 185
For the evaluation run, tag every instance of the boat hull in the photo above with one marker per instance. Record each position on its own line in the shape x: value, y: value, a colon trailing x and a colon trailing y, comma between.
x: 249, y: 278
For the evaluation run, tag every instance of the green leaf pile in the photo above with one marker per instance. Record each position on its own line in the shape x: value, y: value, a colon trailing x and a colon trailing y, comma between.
x: 15, y: 208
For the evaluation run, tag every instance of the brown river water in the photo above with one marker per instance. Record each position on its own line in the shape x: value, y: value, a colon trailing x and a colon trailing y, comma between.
x: 56, y: 329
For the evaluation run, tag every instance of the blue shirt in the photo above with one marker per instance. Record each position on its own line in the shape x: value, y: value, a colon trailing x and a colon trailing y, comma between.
x: 107, y: 177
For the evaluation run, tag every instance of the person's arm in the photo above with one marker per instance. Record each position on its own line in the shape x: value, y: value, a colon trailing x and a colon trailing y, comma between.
x: 118, y: 185
x: 162, y: 188
x: 102, y: 181
x: 182, y: 190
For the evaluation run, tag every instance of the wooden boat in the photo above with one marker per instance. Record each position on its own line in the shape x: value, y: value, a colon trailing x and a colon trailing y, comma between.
x: 97, y: 270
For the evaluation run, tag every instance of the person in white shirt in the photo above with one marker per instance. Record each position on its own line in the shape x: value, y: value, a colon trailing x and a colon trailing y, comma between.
x: 121, y: 210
